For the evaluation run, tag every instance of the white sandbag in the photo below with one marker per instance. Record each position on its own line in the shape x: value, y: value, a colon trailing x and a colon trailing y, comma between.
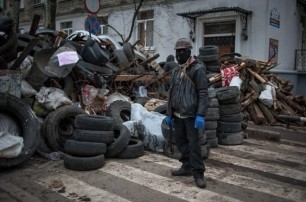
x: 10, y: 145
x: 52, y: 98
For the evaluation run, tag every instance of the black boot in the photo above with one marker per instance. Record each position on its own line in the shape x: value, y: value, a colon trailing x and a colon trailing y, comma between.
x: 181, y: 172
x: 200, y: 181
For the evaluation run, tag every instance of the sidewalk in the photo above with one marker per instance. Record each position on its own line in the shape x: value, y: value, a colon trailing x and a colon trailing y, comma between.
x: 276, y: 133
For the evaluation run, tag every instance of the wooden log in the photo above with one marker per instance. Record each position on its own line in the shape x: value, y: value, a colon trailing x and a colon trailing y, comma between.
x: 251, y: 110
x: 248, y: 96
x: 258, y: 113
x: 249, y: 101
x: 262, y: 80
x: 290, y: 103
x: 218, y: 77
x: 255, y: 86
x: 267, y: 113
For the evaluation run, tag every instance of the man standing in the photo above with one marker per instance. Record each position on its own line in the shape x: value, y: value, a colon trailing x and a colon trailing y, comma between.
x: 187, y: 106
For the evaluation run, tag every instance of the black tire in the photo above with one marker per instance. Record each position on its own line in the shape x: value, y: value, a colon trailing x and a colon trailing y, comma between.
x: 213, y: 142
x: 122, y: 60
x: 229, y: 109
x: 83, y: 163
x: 232, y: 117
x: 111, y: 66
x: 122, y: 137
x: 134, y: 149
x: 161, y: 109
x: 94, y: 122
x: 228, y: 127
x: 120, y: 111
x: 106, y: 137
x: 84, y: 149
x: 213, y: 103
x: 208, y: 58
x: 231, y: 138
x: 212, y: 93
x: 28, y: 124
x: 213, y: 114
x: 211, y: 125
x: 210, y: 134
x: 230, y: 101
x: 60, y: 126
x: 129, y: 51
x: 228, y: 92
x: 209, y: 50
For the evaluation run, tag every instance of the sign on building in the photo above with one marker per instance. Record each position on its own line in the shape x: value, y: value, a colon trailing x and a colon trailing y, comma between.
x: 274, y: 18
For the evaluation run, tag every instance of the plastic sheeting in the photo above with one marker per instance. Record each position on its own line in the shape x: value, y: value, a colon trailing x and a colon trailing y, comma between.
x: 11, y: 143
x: 147, y: 126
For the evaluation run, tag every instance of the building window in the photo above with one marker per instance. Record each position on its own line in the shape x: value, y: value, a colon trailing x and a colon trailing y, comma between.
x: 221, y: 34
x: 21, y: 6
x: 38, y: 1
x: 145, y: 25
x: 103, y: 24
x: 67, y: 27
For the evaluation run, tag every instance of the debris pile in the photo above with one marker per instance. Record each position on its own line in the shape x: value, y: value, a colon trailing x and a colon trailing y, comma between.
x: 265, y: 97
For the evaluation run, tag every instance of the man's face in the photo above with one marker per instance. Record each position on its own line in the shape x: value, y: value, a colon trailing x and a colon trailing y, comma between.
x: 182, y: 55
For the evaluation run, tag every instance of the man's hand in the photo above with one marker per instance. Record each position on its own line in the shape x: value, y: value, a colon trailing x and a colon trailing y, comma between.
x: 169, y: 121
x: 199, y: 122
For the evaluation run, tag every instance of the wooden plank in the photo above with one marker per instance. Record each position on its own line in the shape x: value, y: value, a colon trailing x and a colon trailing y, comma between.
x: 122, y: 77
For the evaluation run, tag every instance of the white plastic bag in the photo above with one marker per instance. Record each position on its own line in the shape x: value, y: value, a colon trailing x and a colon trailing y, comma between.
x: 266, y: 96
x: 52, y: 98
x: 236, y: 81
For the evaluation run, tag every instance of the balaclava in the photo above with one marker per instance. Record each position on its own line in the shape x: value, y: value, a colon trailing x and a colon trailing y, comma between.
x: 182, y: 55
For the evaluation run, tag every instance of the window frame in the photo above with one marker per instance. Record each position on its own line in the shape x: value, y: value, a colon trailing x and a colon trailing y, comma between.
x: 67, y: 30
x: 37, y: 2
x: 145, y: 23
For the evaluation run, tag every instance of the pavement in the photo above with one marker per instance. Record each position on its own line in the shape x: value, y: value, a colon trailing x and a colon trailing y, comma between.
x: 277, y: 133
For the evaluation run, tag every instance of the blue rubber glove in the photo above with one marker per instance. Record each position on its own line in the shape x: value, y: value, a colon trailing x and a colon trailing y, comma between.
x: 169, y: 121
x: 199, y: 122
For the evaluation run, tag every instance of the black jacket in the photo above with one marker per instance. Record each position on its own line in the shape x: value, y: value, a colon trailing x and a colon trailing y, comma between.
x: 184, y: 98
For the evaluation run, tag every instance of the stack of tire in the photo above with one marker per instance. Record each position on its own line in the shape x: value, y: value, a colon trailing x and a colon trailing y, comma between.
x: 229, y: 130
x: 209, y: 55
x: 96, y: 138
x: 211, y: 119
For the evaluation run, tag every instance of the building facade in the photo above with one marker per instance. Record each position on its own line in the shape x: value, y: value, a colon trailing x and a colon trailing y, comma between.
x: 266, y: 30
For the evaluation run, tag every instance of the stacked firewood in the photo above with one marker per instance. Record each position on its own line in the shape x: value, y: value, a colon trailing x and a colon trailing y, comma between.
x: 255, y: 76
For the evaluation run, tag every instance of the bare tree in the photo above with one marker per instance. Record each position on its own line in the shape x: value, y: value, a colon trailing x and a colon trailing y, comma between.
x: 13, y: 12
x: 50, y: 14
x: 137, y: 7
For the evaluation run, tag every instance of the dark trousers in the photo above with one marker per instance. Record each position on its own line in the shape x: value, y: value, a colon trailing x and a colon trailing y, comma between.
x: 188, y: 143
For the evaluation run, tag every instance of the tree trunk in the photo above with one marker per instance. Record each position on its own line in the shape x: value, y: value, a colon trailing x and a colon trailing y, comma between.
x: 14, y: 13
x: 50, y: 14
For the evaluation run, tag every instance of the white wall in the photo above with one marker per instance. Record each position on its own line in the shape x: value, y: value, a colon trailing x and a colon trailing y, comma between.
x: 169, y: 27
